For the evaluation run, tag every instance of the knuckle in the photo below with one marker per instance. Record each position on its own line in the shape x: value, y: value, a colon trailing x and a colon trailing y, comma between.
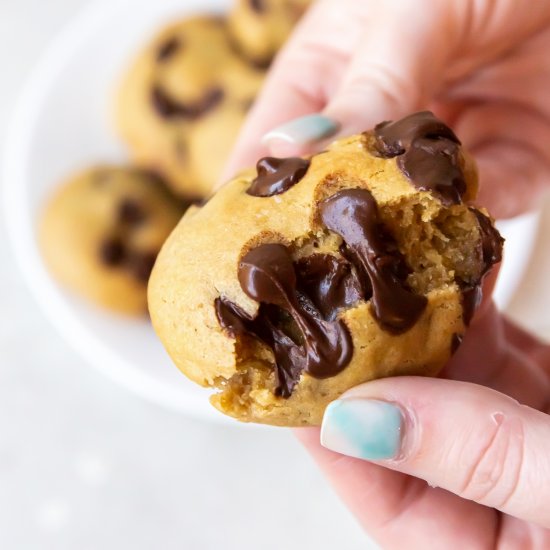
x: 494, y: 473
x: 391, y: 85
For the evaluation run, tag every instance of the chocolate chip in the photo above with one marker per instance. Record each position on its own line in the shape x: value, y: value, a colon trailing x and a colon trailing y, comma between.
x: 321, y: 348
x: 428, y: 154
x: 275, y: 175
x: 141, y: 264
x: 330, y: 282
x: 490, y: 254
x: 168, y: 107
x: 258, y: 6
x: 131, y: 212
x: 168, y: 49
x: 471, y: 299
x: 353, y: 214
x: 112, y: 252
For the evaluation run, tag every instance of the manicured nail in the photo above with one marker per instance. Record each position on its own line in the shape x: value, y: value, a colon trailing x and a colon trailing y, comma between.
x: 303, y: 130
x: 362, y: 428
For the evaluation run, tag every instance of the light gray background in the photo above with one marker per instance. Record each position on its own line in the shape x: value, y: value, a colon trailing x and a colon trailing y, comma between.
x: 85, y: 465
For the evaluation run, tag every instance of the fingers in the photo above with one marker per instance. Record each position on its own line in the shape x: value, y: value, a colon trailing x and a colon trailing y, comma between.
x: 392, y: 506
x: 508, y: 142
x: 352, y: 61
x: 496, y: 354
x: 470, y: 440
x: 302, y: 77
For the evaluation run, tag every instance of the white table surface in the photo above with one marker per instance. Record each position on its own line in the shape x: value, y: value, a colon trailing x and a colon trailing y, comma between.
x: 85, y: 465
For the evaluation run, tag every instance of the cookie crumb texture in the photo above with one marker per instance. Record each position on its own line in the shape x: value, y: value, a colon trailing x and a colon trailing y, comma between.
x: 102, y: 230
x: 183, y: 100
x: 306, y: 277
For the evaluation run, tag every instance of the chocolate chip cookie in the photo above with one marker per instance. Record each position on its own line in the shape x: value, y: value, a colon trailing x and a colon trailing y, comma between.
x: 260, y: 27
x: 361, y: 262
x: 182, y: 103
x: 102, y: 230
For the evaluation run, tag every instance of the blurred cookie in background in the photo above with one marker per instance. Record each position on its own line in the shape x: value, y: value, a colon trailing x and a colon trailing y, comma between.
x: 183, y: 100
x: 102, y: 230
x: 260, y: 27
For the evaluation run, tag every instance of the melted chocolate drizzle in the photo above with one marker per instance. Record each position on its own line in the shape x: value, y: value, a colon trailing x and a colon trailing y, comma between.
x: 353, y: 214
x: 428, y: 154
x: 330, y: 282
x: 275, y: 176
x: 491, y: 254
x: 321, y: 348
x: 168, y: 107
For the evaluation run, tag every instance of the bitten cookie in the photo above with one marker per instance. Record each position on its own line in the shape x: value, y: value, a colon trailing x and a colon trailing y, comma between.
x: 361, y: 262
x: 260, y: 27
x: 102, y: 230
x: 182, y: 103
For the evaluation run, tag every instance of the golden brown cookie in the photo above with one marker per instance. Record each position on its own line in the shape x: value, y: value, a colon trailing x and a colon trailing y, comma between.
x: 182, y: 103
x: 101, y: 232
x: 260, y: 27
x: 362, y: 262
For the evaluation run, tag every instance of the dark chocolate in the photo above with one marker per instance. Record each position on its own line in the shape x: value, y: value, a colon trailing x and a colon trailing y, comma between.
x: 491, y: 240
x: 112, y: 252
x: 330, y: 282
x: 353, y: 214
x: 428, y: 154
x: 471, y: 299
x: 130, y: 212
x: 310, y: 343
x: 141, y: 264
x: 168, y: 107
x: 168, y: 49
x: 491, y: 254
x: 257, y: 5
x: 276, y: 175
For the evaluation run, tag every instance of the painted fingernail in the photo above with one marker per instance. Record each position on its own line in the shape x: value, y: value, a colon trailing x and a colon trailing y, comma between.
x: 303, y: 130
x: 363, y: 428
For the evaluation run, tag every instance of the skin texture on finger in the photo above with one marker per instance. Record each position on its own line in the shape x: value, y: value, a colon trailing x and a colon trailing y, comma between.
x: 471, y: 440
x: 512, y: 365
x: 365, y: 61
x: 393, y: 507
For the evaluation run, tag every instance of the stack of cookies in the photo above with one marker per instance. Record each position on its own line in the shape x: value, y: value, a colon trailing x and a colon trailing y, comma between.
x: 179, y: 109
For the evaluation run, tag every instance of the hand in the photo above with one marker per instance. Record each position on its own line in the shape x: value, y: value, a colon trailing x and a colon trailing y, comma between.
x: 481, y: 433
x: 480, y: 438
x: 482, y: 66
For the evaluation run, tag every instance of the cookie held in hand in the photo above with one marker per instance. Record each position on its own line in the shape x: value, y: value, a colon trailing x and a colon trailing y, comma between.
x: 306, y: 277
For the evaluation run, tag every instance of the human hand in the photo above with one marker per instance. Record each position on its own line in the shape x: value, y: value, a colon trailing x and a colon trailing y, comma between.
x: 481, y: 66
x: 479, y: 437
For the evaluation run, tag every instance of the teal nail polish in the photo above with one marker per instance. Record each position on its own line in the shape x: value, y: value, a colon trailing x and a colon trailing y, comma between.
x: 303, y: 130
x: 363, y: 428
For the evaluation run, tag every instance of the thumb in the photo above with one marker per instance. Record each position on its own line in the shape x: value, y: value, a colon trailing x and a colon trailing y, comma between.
x: 468, y: 439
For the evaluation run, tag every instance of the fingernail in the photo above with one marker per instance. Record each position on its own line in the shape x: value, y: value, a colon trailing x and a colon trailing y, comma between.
x: 362, y: 428
x: 303, y: 130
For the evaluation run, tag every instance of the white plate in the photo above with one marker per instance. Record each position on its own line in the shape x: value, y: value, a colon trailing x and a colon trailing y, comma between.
x: 61, y: 123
